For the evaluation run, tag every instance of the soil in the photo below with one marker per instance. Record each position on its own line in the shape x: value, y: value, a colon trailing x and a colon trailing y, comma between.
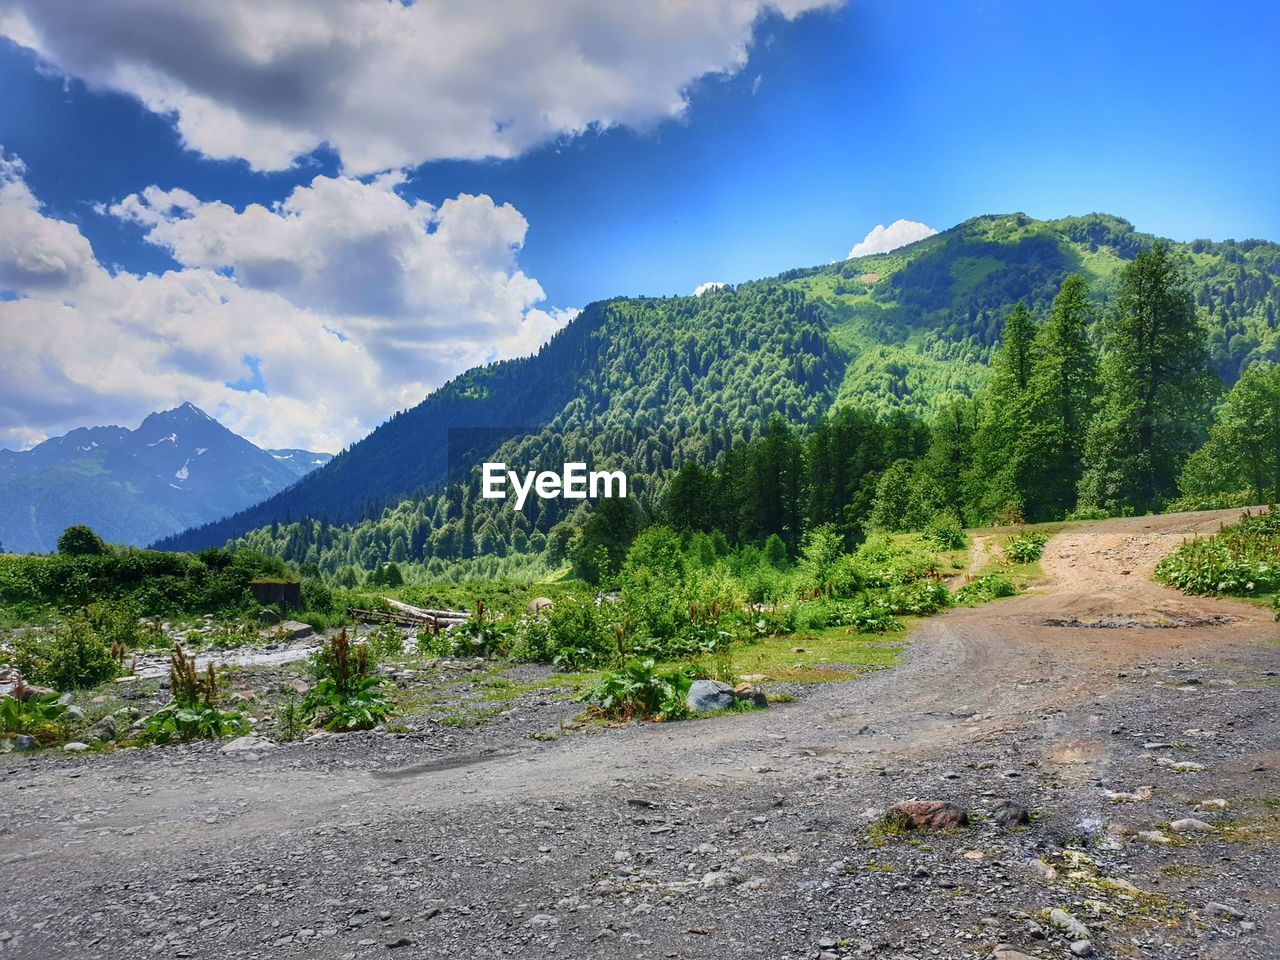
x: 749, y: 835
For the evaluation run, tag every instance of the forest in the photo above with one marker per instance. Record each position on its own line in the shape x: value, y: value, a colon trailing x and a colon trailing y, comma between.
x: 1089, y: 409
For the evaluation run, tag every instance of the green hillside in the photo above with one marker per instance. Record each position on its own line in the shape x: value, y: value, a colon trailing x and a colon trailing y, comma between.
x: 648, y: 384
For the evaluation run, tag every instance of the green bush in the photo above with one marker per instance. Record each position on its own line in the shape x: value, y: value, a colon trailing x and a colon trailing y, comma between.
x: 346, y: 696
x: 946, y: 532
x: 573, y: 635
x: 192, y: 712
x: 1242, y: 558
x: 81, y: 541
x: 991, y: 587
x: 1025, y: 547
x: 41, y: 717
x: 638, y: 690
x: 70, y: 656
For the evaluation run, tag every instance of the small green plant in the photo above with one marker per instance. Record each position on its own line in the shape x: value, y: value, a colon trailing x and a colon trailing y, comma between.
x: 946, y: 532
x: 1026, y: 547
x: 1242, y: 558
x: 991, y: 587
x: 70, y: 656
x: 291, y: 723
x: 38, y: 716
x: 346, y: 695
x: 192, y: 713
x: 638, y: 690
x: 386, y: 639
x: 480, y: 636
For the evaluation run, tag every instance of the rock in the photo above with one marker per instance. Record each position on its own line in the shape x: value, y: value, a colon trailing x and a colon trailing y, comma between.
x: 1211, y: 806
x: 242, y: 697
x: 1082, y: 948
x: 104, y: 730
x: 1010, y: 814
x: 1042, y: 870
x: 745, y: 691
x: 538, y: 604
x: 1190, y: 825
x: 708, y: 695
x: 1136, y: 796
x: 1068, y: 924
x: 1154, y: 836
x: 1180, y: 766
x: 1006, y: 951
x: 25, y: 693
x: 75, y: 746
x: 717, y: 879
x: 928, y: 815
x: 1216, y: 909
x: 399, y: 942
x: 543, y: 920
x: 74, y: 712
x: 247, y: 743
x: 24, y: 741
x: 269, y: 617
x: 294, y: 630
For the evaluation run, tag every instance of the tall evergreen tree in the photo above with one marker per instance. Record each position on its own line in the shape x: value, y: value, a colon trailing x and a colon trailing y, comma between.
x: 1061, y: 397
x: 1156, y: 391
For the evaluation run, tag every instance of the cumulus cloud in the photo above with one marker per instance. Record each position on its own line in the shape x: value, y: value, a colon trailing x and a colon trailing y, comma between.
x: 345, y: 299
x: 707, y: 287
x: 389, y: 84
x: 882, y: 239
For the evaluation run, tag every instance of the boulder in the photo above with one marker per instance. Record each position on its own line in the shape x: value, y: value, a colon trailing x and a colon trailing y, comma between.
x: 75, y: 746
x: 104, y: 730
x: 928, y: 815
x: 1068, y: 924
x: 1190, y: 825
x: 708, y: 695
x: 1010, y: 814
x: 294, y: 630
x: 248, y: 743
x: 26, y: 692
x: 269, y: 617
x: 745, y: 691
x: 23, y: 741
x: 538, y: 604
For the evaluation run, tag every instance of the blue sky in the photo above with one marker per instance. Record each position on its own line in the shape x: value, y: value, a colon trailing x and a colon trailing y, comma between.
x: 838, y: 120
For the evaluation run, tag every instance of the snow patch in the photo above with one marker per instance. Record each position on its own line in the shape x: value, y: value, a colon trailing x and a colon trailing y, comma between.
x: 171, y: 438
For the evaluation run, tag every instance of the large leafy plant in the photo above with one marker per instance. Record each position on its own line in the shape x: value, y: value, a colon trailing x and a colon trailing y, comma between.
x: 192, y: 713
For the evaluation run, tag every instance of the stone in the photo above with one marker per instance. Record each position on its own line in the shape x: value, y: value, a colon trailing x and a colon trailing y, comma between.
x: 543, y: 920
x: 1190, y: 825
x: 26, y: 692
x: 708, y: 695
x: 1068, y: 924
x: 104, y: 730
x: 538, y: 604
x: 247, y: 743
x: 1042, y: 870
x: 399, y: 942
x: 1006, y: 951
x: 928, y: 815
x: 719, y: 878
x: 1180, y: 766
x: 1010, y: 814
x: 294, y: 630
x: 1082, y: 948
x: 269, y: 617
x: 1216, y: 909
x: 24, y: 741
x: 75, y: 746
x: 1135, y: 796
x: 74, y: 712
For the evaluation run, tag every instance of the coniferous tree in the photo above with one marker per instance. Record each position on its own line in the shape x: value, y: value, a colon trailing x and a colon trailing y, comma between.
x: 1156, y: 391
x: 1243, y: 449
x: 1061, y: 397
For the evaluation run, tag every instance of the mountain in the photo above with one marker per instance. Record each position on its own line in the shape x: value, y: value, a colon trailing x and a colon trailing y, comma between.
x: 180, y: 468
x: 647, y: 383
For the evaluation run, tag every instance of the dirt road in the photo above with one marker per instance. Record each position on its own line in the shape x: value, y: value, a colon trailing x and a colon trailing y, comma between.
x: 741, y: 836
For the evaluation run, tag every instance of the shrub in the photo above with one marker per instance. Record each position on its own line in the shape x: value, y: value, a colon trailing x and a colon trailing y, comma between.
x: 991, y: 587
x: 1240, y: 559
x: 480, y: 636
x: 80, y: 541
x: 346, y: 695
x: 572, y: 635
x: 40, y: 717
x: 386, y: 639
x: 1025, y: 547
x: 192, y: 713
x: 639, y: 690
x: 70, y: 656
x: 946, y: 532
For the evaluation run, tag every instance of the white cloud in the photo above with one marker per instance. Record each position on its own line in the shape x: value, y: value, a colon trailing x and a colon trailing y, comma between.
x: 707, y: 287
x: 882, y: 239
x: 353, y: 301
x: 388, y: 84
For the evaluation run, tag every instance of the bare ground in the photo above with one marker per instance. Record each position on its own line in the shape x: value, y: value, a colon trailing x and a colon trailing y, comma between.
x: 742, y: 836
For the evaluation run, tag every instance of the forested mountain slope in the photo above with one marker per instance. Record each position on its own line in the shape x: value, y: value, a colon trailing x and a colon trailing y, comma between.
x: 649, y: 383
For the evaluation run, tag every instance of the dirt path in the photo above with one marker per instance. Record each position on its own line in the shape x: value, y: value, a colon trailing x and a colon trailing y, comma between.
x: 1028, y: 676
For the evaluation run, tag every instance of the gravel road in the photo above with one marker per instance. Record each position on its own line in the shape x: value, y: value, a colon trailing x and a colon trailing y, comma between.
x: 1139, y: 727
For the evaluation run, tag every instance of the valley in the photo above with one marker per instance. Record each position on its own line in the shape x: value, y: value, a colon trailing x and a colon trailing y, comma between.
x: 1106, y: 705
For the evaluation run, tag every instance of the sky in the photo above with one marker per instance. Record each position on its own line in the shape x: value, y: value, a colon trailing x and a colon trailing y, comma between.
x: 305, y: 215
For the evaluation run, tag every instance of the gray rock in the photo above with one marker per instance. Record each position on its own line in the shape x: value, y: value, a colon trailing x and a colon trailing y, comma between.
x: 1082, y: 948
x: 708, y: 695
x: 1010, y: 814
x: 296, y: 631
x: 1190, y: 825
x: 74, y: 712
x: 1068, y: 924
x: 1216, y: 909
x: 104, y: 730
x: 75, y: 746
x: 269, y: 617
x: 24, y: 742
x: 248, y: 743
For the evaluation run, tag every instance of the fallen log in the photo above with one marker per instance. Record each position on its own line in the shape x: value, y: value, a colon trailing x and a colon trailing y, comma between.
x: 456, y: 616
